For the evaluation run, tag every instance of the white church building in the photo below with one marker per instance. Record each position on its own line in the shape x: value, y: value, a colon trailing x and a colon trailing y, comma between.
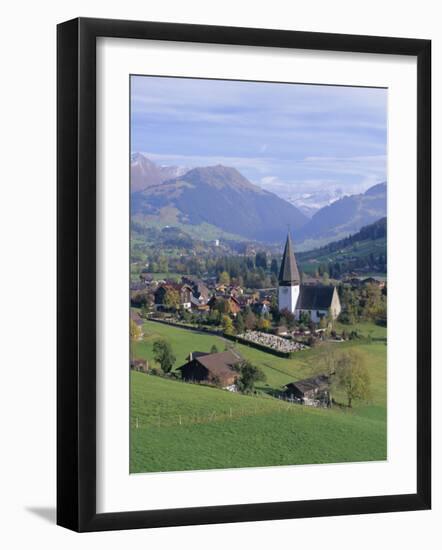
x: 317, y: 300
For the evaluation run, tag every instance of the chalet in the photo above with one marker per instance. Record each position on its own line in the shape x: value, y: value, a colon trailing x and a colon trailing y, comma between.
x: 200, y: 292
x: 184, y: 291
x: 315, y: 300
x: 313, y: 388
x: 212, y: 368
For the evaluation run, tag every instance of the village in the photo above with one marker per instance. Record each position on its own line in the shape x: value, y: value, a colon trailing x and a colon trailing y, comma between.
x: 294, y: 316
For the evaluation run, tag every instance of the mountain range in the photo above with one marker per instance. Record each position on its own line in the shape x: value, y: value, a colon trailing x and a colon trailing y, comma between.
x: 346, y: 215
x: 221, y: 197
x: 145, y: 173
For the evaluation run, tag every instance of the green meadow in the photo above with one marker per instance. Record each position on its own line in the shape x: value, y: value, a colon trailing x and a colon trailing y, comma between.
x: 178, y: 426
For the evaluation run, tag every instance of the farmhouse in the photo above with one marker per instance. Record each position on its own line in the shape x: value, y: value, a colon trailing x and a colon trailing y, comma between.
x: 309, y: 389
x: 184, y: 291
x: 314, y: 300
x: 200, y: 292
x: 211, y: 368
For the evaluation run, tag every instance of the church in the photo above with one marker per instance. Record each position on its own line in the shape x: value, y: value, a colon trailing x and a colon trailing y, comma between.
x: 317, y: 301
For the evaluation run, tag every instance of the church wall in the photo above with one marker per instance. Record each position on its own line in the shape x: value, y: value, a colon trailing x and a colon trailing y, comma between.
x: 315, y: 314
x: 288, y: 297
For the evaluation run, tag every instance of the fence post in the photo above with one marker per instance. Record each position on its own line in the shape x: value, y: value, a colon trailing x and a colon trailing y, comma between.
x: 179, y: 419
x: 230, y: 412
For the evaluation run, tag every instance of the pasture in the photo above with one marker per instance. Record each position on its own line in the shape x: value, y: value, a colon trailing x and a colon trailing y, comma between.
x: 177, y: 426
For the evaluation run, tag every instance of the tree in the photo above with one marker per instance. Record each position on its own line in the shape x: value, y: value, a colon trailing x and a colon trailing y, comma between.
x: 249, y: 375
x: 325, y: 362
x: 222, y: 305
x: 274, y: 267
x: 163, y: 354
x: 227, y: 325
x: 214, y: 317
x: 261, y: 260
x: 352, y: 376
x: 135, y: 330
x: 172, y: 299
x: 304, y: 318
x: 239, y: 323
x: 289, y: 318
x: 264, y: 324
x: 250, y: 320
x: 224, y: 278
x: 213, y: 349
x: 163, y: 265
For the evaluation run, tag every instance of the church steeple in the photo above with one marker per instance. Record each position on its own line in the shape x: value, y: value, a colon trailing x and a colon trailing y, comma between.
x: 289, y: 274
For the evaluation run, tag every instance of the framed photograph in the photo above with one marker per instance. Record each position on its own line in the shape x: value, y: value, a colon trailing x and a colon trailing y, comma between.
x: 243, y: 274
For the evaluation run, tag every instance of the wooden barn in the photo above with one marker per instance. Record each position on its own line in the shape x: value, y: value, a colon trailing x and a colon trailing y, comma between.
x: 309, y: 388
x: 211, y: 368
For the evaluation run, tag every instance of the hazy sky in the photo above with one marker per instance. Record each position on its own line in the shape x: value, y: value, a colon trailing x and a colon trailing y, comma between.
x: 291, y: 139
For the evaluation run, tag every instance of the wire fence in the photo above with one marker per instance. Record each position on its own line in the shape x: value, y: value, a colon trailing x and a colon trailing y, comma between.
x: 210, y: 416
x: 282, y: 404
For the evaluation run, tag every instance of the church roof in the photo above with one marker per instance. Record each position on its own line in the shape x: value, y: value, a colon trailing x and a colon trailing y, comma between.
x: 289, y: 270
x: 315, y: 297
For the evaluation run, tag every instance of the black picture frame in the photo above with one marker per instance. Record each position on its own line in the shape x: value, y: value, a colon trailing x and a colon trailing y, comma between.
x: 76, y: 274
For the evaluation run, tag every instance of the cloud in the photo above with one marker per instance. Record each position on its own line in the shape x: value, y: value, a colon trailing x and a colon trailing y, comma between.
x: 318, y: 137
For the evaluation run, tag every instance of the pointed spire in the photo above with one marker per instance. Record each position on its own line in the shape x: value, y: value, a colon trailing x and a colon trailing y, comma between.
x: 289, y: 274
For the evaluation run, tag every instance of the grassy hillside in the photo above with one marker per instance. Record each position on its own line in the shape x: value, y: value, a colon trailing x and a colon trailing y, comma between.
x: 364, y: 248
x: 260, y: 432
x: 184, y: 426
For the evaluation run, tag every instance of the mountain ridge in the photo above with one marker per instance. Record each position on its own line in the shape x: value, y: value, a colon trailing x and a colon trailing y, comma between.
x: 211, y: 194
x: 222, y: 197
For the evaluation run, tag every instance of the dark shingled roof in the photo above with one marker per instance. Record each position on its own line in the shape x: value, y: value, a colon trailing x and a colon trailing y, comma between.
x: 315, y: 297
x: 289, y: 273
x: 220, y: 363
x: 320, y: 382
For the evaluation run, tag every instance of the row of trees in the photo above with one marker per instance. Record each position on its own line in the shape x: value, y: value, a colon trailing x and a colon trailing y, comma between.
x: 338, y: 268
x: 366, y: 303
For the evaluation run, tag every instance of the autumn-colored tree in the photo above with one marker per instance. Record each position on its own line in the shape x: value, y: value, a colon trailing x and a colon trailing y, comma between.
x: 135, y: 330
x: 352, y: 376
x: 172, y: 299
x: 224, y: 278
x: 250, y: 320
x: 227, y: 325
x: 222, y: 306
x: 264, y: 324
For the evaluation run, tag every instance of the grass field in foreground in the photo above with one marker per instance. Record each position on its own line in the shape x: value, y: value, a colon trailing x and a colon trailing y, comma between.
x: 185, y: 426
x: 260, y: 431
